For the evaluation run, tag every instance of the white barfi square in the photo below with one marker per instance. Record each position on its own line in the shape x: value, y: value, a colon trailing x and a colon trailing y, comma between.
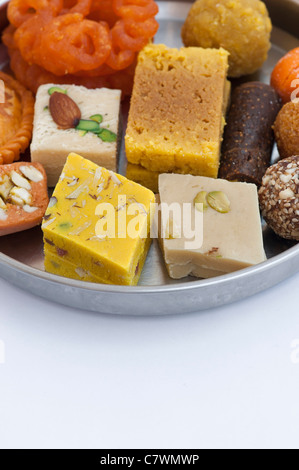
x: 231, y: 239
x: 51, y: 144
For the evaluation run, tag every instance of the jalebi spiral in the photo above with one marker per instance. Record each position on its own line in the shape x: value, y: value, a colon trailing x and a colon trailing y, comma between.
x: 87, y: 42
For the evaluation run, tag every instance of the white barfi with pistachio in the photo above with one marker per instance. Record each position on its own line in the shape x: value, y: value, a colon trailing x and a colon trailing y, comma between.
x: 71, y: 118
x: 231, y: 226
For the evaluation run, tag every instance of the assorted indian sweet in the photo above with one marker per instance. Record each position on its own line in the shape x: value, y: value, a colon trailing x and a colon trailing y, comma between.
x: 72, y: 117
x: 79, y: 56
x: 242, y: 27
x: 23, y: 196
x: 285, y: 76
x: 176, y: 117
x: 279, y: 198
x: 248, y: 137
x: 16, y: 119
x: 84, y: 42
x: 97, y: 225
x: 231, y: 227
x: 286, y: 129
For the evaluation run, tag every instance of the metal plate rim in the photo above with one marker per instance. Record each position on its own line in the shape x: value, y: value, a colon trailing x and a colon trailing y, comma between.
x: 282, y: 258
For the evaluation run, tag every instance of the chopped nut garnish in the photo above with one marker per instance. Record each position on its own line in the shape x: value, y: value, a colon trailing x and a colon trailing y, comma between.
x: 64, y: 111
x: 279, y: 198
x: 83, y: 187
x: 286, y: 194
x: 31, y: 173
x: 73, y: 182
x: 19, y: 180
x: 2, y: 204
x: 81, y: 273
x: 53, y: 202
x: 29, y: 209
x: 5, y: 186
x: 107, y: 183
x: 115, y: 178
x: 219, y: 201
x: 200, y: 201
x: 213, y: 251
x: 81, y: 229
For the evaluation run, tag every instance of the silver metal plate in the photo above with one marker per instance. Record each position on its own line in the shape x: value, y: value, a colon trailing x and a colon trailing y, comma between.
x: 21, y: 255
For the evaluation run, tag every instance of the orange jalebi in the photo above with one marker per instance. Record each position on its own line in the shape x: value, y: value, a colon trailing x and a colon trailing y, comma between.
x: 88, y: 42
x: 124, y: 41
x: 119, y: 59
x: 76, y: 6
x: 27, y: 36
x: 138, y: 10
x: 19, y: 11
x: 32, y: 76
x: 71, y: 43
x: 101, y: 10
x: 8, y: 37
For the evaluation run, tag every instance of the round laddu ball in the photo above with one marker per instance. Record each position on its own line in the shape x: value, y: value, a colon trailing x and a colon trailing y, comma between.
x: 242, y: 27
x: 286, y: 129
x: 279, y: 198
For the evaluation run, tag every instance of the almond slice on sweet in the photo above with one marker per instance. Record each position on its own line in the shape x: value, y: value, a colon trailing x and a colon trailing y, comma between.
x: 64, y: 111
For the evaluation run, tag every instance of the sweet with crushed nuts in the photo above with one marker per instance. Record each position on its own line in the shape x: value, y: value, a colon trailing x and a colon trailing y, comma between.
x: 23, y: 196
x: 279, y: 198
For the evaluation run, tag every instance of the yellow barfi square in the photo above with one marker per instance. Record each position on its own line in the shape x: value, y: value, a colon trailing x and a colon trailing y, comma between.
x: 178, y: 104
x: 97, y: 225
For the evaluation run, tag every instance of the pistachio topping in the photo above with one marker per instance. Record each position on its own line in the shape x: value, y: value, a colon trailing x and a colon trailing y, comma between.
x: 200, y: 201
x: 97, y: 118
x: 219, y: 201
x: 56, y: 89
x: 88, y: 126
x: 82, y: 133
x: 65, y: 226
x: 107, y: 136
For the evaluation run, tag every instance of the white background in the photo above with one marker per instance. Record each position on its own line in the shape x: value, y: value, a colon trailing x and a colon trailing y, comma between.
x: 219, y: 378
